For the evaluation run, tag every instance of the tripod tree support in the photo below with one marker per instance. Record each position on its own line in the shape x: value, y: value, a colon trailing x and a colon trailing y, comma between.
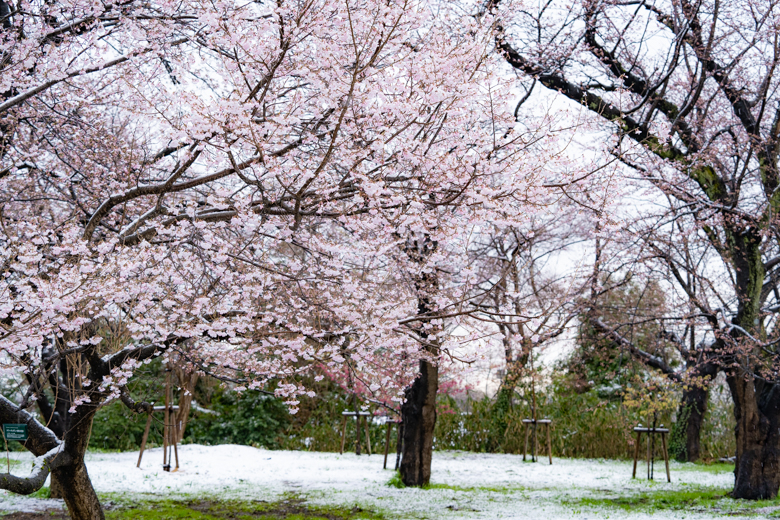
x: 358, y: 416
x: 390, y: 422
x: 170, y: 428
x: 651, y: 432
x: 534, y: 423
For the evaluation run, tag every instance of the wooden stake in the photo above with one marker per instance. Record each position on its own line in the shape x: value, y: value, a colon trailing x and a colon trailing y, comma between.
x: 368, y: 436
x: 166, y: 428
x: 5, y: 441
x: 549, y: 444
x: 343, y: 433
x: 535, y: 441
x: 636, y: 452
x: 649, y: 435
x: 525, y: 446
x: 666, y: 457
x: 175, y: 444
x: 144, y: 438
x: 387, y: 444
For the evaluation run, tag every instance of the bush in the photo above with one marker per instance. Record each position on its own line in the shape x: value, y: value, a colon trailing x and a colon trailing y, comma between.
x: 317, y: 425
x: 583, y: 425
x: 226, y: 417
x: 118, y: 428
x: 591, y: 424
x: 251, y: 418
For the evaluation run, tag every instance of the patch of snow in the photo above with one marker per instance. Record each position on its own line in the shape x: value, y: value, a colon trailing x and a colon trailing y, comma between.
x: 466, y: 485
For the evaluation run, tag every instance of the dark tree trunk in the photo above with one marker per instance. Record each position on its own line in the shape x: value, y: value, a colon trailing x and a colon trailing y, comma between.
x: 756, y: 402
x: 64, y: 441
x: 55, y: 487
x: 66, y: 461
x: 73, y: 479
x: 419, y: 419
x: 690, y: 414
x: 77, y: 490
x: 757, y: 411
x: 418, y: 412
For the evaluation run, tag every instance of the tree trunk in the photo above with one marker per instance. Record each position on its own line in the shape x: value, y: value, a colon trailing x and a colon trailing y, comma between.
x: 690, y: 414
x: 55, y: 487
x: 66, y: 463
x: 187, y: 381
x: 77, y: 490
x: 79, y: 495
x: 756, y: 401
x: 757, y: 411
x: 419, y: 419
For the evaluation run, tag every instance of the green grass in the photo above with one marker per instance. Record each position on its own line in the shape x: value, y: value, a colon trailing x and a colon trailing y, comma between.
x: 659, y: 500
x: 44, y: 492
x: 395, y: 481
x: 699, y: 499
x: 448, y: 486
x: 290, y: 508
x: 715, y: 467
x: 477, y: 489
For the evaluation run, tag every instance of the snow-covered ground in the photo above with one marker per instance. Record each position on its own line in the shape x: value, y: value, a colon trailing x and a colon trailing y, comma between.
x: 464, y: 485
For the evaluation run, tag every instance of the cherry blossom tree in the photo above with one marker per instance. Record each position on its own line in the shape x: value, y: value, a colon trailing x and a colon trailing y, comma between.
x: 687, y: 91
x: 241, y: 185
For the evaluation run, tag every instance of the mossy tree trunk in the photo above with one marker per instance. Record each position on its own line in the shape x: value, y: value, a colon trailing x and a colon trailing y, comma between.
x: 686, y: 433
x: 756, y: 397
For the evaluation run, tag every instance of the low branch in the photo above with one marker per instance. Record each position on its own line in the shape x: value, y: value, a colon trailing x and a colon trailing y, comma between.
x: 41, y: 439
x: 135, y: 406
x: 41, y: 468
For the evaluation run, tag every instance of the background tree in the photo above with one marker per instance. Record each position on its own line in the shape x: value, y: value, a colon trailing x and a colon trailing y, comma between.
x: 689, y: 92
x: 529, y: 294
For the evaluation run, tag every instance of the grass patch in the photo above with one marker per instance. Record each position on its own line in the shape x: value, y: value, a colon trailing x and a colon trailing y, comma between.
x: 660, y: 500
x: 44, y: 492
x: 447, y: 486
x: 715, y: 468
x: 291, y: 508
x: 396, y: 481
x: 707, y: 500
x: 477, y: 489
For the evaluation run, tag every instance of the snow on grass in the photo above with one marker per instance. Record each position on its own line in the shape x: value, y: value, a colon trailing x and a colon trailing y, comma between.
x: 463, y: 485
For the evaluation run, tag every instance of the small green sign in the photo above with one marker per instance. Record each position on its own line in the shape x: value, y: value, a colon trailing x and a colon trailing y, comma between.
x: 15, y: 432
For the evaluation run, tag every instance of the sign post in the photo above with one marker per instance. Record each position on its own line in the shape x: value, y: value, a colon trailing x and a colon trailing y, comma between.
x: 15, y: 432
